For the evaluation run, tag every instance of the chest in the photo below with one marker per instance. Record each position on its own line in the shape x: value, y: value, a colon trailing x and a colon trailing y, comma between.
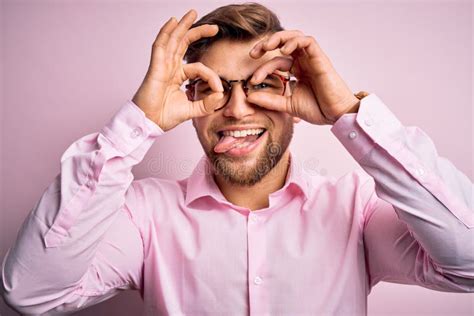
x: 287, y: 260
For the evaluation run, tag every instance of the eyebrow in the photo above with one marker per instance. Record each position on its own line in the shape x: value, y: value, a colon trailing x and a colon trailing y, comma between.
x: 276, y: 71
x: 235, y: 79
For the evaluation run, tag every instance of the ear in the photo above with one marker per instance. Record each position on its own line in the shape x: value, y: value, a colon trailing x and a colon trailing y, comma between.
x: 296, y: 119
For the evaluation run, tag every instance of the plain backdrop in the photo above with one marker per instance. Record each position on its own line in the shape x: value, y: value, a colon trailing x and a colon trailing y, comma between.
x: 68, y: 66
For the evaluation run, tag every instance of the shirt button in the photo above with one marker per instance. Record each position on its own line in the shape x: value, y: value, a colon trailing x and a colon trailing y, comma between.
x: 254, y: 219
x: 352, y: 134
x: 368, y: 122
x: 89, y: 184
x: 420, y: 171
x: 257, y: 280
x: 136, y: 132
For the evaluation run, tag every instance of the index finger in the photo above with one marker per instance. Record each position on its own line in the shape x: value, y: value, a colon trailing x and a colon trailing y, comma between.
x: 272, y: 42
x: 277, y: 63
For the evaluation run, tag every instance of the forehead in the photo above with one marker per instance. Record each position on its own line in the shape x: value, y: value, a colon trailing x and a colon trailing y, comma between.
x: 231, y: 59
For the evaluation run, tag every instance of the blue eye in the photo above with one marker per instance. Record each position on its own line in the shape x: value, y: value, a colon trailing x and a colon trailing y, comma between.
x: 262, y: 85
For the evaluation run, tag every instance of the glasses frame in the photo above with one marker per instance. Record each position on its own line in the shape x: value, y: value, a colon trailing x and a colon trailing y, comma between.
x: 192, y: 83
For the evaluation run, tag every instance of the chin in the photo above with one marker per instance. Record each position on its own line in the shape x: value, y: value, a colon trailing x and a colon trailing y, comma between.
x: 246, y: 170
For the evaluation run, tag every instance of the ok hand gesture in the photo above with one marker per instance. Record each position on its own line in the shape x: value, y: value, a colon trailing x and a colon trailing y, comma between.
x: 320, y: 96
x: 159, y: 95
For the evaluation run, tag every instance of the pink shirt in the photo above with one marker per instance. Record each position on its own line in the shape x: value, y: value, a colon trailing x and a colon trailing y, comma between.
x: 319, y: 247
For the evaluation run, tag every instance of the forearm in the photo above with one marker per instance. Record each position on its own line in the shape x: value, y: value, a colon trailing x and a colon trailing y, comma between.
x: 445, y: 239
x: 428, y: 193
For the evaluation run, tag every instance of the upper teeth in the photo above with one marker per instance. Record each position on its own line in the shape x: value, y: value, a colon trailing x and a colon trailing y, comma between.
x: 243, y: 133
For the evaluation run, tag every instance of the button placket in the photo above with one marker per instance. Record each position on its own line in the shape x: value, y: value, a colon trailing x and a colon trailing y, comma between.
x: 256, y: 236
x: 254, y: 219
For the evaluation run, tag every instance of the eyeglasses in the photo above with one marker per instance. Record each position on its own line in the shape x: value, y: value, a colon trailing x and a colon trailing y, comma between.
x: 274, y: 83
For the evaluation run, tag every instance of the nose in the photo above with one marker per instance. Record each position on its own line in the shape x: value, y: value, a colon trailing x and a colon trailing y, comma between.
x: 237, y: 105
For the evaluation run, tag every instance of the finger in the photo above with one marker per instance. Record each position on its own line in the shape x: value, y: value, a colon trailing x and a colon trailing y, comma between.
x: 164, y: 34
x: 206, y: 106
x: 272, y: 102
x: 296, y: 119
x: 272, y: 42
x: 269, y: 67
x: 307, y: 43
x: 199, y: 70
x: 178, y: 33
x: 194, y: 34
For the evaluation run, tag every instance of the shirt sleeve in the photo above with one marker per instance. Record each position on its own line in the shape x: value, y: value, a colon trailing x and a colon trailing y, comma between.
x: 418, y: 221
x: 80, y: 245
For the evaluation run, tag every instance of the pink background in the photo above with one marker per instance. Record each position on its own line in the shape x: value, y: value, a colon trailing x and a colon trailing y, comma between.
x: 67, y: 66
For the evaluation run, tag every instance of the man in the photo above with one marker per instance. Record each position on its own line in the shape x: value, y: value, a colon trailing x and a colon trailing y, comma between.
x: 246, y: 233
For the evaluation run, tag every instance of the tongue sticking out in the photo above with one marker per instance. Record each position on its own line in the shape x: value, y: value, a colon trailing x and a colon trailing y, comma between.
x: 226, y: 143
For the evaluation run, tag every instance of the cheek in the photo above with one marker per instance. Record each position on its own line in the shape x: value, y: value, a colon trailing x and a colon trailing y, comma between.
x: 201, y: 125
x: 282, y: 123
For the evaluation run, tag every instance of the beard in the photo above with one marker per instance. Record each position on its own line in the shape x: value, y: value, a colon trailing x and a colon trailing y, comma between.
x: 246, y: 171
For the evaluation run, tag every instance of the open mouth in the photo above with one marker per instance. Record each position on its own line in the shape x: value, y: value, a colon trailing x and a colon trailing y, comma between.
x: 239, y: 142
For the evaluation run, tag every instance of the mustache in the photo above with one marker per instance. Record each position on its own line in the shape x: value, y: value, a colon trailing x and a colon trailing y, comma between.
x: 232, y: 122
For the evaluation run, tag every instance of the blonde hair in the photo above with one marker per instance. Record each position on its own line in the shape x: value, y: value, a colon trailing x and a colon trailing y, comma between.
x: 238, y: 22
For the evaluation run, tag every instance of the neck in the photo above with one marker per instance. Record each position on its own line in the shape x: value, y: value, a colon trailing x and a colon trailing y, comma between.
x: 255, y: 197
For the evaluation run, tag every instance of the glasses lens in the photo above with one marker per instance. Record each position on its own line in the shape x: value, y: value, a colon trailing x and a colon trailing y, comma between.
x: 272, y: 84
x: 202, y: 90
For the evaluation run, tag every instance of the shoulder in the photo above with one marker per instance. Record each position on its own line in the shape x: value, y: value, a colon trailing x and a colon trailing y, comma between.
x: 350, y: 181
x: 353, y: 189
x: 150, y: 197
x: 150, y: 188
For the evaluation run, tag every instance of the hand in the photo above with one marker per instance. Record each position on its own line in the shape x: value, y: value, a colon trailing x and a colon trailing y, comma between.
x: 320, y: 96
x: 159, y: 95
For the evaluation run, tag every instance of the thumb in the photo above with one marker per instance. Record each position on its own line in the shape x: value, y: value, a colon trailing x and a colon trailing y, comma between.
x: 207, y: 105
x: 272, y: 102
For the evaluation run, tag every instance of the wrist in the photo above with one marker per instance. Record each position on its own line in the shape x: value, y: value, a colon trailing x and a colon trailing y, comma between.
x: 353, y: 108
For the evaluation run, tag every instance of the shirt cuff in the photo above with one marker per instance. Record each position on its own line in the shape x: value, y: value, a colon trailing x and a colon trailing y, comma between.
x: 129, y: 127
x: 374, y: 123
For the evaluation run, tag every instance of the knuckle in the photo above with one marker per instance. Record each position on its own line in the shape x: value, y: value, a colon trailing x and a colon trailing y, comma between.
x: 294, y: 40
x: 311, y: 38
x: 200, y: 66
x: 186, y: 40
x: 297, y: 32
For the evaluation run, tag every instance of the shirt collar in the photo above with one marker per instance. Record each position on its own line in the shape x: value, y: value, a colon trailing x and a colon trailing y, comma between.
x: 201, y: 182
